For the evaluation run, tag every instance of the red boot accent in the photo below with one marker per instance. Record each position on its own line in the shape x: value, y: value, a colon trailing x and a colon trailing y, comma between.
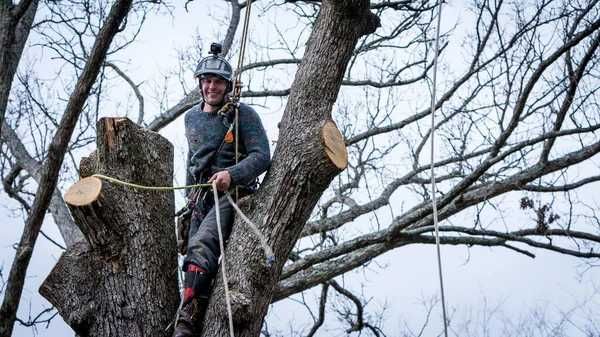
x: 193, y: 267
x: 189, y: 292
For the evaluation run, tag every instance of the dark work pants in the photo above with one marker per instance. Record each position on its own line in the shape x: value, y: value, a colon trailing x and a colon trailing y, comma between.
x: 203, y: 245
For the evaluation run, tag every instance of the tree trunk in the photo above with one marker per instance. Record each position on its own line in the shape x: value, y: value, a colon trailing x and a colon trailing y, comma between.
x: 123, y: 280
x: 310, y: 153
x: 15, y: 24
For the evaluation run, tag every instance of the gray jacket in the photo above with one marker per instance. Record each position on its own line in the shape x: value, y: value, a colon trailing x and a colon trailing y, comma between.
x: 205, y: 132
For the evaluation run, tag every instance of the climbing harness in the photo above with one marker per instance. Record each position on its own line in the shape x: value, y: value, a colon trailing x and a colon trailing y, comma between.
x: 433, y: 185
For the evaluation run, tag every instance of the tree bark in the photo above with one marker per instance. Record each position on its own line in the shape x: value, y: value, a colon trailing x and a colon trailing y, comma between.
x: 123, y: 280
x: 301, y: 170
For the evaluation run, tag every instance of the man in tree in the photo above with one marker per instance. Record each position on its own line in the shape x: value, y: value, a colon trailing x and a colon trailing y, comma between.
x: 211, y: 134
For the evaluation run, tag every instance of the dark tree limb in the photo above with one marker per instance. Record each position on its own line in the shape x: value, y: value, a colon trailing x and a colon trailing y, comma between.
x: 13, y: 192
x: 170, y: 115
x: 234, y: 22
x: 322, y: 306
x: 53, y: 162
x: 359, y: 324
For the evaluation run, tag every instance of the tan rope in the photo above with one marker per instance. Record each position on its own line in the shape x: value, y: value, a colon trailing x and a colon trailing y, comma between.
x: 238, y: 83
x: 150, y: 188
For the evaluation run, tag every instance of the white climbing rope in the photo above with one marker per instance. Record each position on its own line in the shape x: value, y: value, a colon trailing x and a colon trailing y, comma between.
x: 261, y: 237
x: 223, y: 264
x: 263, y: 241
x: 433, y: 185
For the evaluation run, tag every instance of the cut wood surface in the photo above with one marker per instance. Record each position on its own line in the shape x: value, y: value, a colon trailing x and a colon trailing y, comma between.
x: 84, y: 192
x: 335, y: 147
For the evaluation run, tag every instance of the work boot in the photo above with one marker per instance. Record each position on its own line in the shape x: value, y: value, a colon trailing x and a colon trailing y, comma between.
x: 195, y: 300
x: 196, y: 283
x: 190, y: 318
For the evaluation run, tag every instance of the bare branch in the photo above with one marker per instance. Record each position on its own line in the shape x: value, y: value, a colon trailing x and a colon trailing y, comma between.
x: 561, y: 188
x: 574, y: 80
x: 136, y: 90
x: 322, y: 303
x: 170, y: 115
x: 359, y: 324
x: 62, y: 218
x: 270, y: 63
x: 38, y: 319
x: 12, y: 192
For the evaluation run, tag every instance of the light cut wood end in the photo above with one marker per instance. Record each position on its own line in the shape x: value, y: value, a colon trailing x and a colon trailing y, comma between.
x: 84, y: 192
x: 335, y: 146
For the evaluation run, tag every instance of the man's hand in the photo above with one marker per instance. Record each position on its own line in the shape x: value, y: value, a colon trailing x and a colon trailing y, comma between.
x: 223, y: 180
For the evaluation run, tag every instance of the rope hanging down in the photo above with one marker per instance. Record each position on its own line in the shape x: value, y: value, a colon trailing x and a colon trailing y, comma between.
x: 433, y: 185
x: 237, y: 90
x: 223, y: 264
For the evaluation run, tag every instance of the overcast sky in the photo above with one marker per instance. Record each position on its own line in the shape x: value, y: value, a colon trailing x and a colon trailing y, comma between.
x: 475, y: 278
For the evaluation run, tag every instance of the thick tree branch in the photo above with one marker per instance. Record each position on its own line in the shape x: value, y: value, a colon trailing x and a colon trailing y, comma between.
x: 170, y: 115
x: 234, y: 22
x: 352, y: 213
